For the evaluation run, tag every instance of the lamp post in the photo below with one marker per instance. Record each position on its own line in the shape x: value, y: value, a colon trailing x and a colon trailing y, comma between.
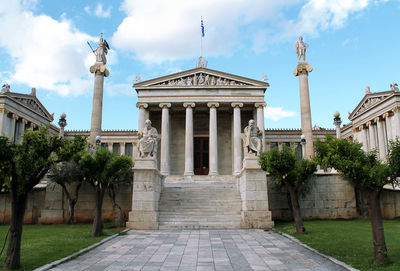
x: 62, y: 123
x: 303, y: 145
x: 337, y: 122
x: 98, y: 140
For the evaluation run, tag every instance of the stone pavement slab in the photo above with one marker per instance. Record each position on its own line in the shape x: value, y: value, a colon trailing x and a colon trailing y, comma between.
x: 195, y: 250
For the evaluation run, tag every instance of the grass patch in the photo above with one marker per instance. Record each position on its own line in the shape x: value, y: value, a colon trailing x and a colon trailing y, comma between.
x: 349, y: 241
x: 42, y: 244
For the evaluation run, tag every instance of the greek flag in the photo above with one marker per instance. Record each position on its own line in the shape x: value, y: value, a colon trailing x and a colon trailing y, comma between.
x: 202, y: 27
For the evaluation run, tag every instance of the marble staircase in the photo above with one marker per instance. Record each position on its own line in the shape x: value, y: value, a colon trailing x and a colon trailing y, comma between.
x: 200, y: 202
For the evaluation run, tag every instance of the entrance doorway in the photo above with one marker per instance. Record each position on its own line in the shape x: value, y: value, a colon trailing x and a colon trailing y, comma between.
x: 201, y: 166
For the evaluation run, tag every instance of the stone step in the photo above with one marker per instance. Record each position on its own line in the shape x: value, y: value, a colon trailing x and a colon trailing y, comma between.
x: 197, y: 225
x: 199, y: 219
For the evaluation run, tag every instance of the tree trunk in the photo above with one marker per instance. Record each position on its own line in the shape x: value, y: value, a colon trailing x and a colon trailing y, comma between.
x: 71, y: 210
x: 97, y: 228
x: 296, y: 209
x: 361, y: 202
x: 13, y: 255
x: 378, y: 235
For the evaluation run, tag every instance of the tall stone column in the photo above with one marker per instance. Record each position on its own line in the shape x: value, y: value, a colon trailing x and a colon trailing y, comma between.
x: 110, y: 146
x: 260, y: 121
x: 13, y: 134
x: 237, y: 138
x: 302, y: 70
x: 213, y: 138
x: 21, y: 130
x: 396, y: 122
x: 164, y: 167
x: 388, y: 123
x: 381, y: 138
x: 189, y: 154
x: 3, y: 121
x: 363, y: 137
x: 142, y: 115
x: 122, y: 148
x: 372, y: 139
x: 100, y: 71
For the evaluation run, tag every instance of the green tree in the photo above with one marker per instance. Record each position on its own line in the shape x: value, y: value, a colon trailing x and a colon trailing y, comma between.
x: 291, y: 172
x: 22, y: 166
x: 69, y: 175
x: 368, y: 174
x: 100, y: 170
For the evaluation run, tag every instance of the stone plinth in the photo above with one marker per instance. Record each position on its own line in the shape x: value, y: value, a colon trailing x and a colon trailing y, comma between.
x: 254, y: 194
x: 147, y: 182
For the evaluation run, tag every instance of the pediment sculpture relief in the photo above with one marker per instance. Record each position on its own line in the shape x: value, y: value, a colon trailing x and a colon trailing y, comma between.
x: 201, y: 79
x: 369, y: 103
x: 32, y: 104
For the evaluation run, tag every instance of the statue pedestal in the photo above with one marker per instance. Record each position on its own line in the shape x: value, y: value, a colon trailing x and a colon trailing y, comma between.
x: 254, y: 194
x: 147, y: 182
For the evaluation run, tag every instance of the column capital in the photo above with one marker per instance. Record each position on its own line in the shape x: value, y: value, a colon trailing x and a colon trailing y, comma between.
x: 396, y: 109
x: 386, y: 115
x: 33, y: 125
x: 360, y: 128
x: 186, y: 105
x: 370, y: 123
x: 211, y: 105
x: 377, y: 119
x: 24, y: 121
x: 237, y: 105
x: 122, y: 143
x: 165, y: 105
x: 3, y: 110
x: 110, y: 143
x: 14, y: 116
x: 257, y: 105
x: 302, y: 68
x: 142, y: 105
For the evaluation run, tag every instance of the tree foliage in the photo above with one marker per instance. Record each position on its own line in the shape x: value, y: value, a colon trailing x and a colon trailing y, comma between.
x: 291, y: 172
x: 22, y: 166
x: 368, y: 174
x: 103, y: 169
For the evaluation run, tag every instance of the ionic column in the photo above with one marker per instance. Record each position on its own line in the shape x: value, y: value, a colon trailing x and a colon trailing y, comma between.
x: 213, y: 152
x: 142, y: 115
x: 364, y: 136
x: 388, y: 122
x: 396, y: 123
x: 381, y: 138
x: 237, y: 138
x: 302, y: 70
x: 3, y: 120
x: 372, y: 140
x: 14, y: 118
x: 122, y: 148
x: 189, y: 139
x: 260, y: 121
x: 164, y: 166
x: 110, y: 146
x: 21, y: 130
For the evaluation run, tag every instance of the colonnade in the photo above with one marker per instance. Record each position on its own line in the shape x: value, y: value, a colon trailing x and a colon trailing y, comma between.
x: 377, y: 132
x: 13, y: 125
x: 213, y: 135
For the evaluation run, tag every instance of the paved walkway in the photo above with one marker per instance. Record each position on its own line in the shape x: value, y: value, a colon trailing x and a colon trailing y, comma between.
x: 199, y: 250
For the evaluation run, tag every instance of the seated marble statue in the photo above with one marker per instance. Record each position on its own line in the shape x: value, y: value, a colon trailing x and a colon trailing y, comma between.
x: 148, y: 139
x: 252, y: 138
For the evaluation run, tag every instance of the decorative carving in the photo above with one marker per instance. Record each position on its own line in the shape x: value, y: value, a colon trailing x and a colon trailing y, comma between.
x: 369, y: 103
x: 144, y: 105
x: 394, y: 87
x: 257, y: 105
x: 5, y: 88
x: 31, y: 103
x: 162, y: 105
x: 239, y: 105
x: 201, y: 79
x: 186, y: 105
x: 148, y: 140
x: 367, y: 90
x: 210, y: 105
x: 302, y: 68
x: 252, y: 138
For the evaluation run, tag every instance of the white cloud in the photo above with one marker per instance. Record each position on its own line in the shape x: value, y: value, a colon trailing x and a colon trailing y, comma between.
x: 277, y: 113
x: 159, y: 30
x: 98, y: 11
x: 49, y: 54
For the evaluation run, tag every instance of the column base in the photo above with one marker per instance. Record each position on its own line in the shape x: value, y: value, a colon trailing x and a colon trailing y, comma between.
x: 188, y: 173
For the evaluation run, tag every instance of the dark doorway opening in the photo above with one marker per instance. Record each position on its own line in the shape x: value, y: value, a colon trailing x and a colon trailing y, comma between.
x: 201, y: 165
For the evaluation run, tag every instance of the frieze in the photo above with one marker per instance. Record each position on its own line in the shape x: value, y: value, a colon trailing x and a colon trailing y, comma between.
x: 201, y: 79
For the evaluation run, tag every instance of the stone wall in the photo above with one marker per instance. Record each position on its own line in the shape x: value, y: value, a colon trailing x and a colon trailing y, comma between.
x: 330, y: 197
x: 390, y: 203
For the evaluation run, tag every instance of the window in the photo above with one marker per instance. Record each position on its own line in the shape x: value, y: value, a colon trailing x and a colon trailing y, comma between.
x: 128, y: 149
x: 116, y: 148
x: 273, y: 145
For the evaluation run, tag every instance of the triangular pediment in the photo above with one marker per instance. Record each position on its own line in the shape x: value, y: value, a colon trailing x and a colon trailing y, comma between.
x: 201, y: 77
x: 369, y: 101
x: 33, y: 104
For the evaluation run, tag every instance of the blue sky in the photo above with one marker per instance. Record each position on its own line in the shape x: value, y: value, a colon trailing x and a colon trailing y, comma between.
x: 352, y: 44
